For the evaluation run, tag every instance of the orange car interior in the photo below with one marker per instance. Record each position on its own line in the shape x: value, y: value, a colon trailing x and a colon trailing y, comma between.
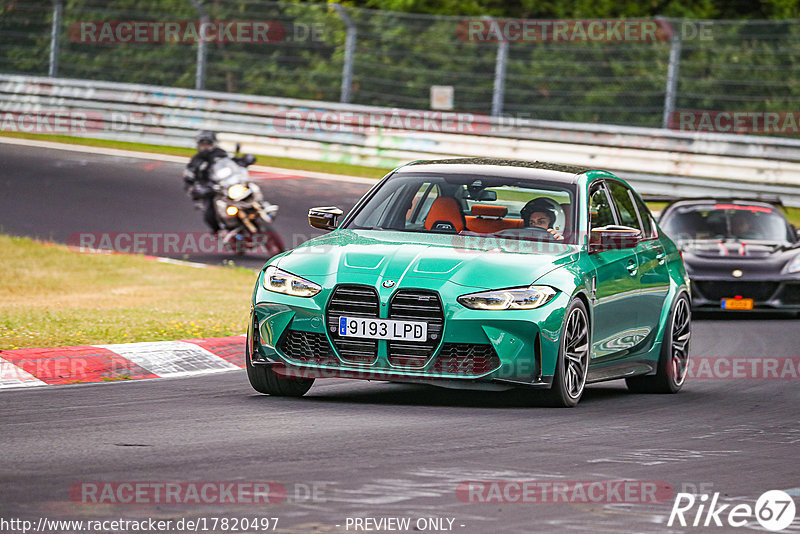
x: 445, y: 210
x: 484, y: 218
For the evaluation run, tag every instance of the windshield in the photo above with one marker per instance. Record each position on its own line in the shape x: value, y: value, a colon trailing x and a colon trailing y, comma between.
x: 726, y: 221
x: 471, y: 205
x: 227, y: 172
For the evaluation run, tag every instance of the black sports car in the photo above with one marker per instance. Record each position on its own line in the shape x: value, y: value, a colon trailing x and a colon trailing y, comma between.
x: 739, y: 254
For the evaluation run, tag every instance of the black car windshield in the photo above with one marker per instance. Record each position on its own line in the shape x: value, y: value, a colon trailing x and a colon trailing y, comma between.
x: 464, y: 204
x: 726, y: 221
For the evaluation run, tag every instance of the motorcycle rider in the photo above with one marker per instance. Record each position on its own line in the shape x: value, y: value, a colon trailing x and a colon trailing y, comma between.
x: 196, y: 175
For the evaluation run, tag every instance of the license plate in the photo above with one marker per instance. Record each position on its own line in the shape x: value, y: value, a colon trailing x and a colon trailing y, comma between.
x: 383, y: 329
x: 737, y: 304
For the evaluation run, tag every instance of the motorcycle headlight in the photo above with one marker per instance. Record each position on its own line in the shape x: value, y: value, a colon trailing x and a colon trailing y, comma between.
x: 521, y: 298
x: 794, y: 265
x: 238, y: 191
x: 287, y: 283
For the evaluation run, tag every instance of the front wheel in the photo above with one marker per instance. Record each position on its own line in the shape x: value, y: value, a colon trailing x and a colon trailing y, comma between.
x: 673, y: 362
x: 569, y: 379
x: 265, y: 380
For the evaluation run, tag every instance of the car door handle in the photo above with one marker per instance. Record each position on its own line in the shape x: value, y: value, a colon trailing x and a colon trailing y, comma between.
x: 632, y: 268
x: 660, y: 256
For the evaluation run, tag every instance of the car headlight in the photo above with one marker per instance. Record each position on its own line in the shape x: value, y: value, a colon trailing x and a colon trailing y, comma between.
x: 287, y: 283
x: 794, y: 265
x: 238, y: 191
x: 521, y: 298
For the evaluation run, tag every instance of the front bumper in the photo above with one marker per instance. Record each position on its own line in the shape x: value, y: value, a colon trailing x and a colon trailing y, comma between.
x: 503, y: 348
x: 767, y: 294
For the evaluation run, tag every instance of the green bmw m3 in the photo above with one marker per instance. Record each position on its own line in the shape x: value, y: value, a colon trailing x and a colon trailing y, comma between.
x: 478, y: 273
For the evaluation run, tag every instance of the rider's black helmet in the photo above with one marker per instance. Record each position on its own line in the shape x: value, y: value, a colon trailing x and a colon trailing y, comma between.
x: 206, y: 136
x: 540, y: 205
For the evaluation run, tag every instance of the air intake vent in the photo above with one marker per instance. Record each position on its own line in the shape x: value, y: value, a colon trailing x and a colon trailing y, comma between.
x: 466, y: 359
x: 307, y: 347
x: 758, y: 291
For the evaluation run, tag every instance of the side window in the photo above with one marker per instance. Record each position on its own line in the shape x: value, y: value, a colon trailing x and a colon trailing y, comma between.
x: 625, y: 210
x: 648, y: 225
x: 600, y: 213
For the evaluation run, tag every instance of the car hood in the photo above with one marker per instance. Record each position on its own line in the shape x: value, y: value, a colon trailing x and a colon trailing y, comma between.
x: 472, y: 261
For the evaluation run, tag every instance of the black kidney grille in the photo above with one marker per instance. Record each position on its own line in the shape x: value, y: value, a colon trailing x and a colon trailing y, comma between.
x: 466, y: 359
x: 352, y: 301
x: 307, y: 347
x: 416, y: 305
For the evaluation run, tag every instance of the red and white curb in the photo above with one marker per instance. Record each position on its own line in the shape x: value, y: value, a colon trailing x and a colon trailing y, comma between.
x: 126, y: 361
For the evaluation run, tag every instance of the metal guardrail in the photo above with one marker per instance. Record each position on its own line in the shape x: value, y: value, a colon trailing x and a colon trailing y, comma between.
x: 654, y: 160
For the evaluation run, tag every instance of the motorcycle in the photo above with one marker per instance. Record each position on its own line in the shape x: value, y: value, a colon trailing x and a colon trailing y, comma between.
x: 243, y: 214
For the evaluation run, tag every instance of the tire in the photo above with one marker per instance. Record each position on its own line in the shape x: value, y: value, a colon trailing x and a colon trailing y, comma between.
x: 569, y: 379
x: 265, y: 380
x: 674, y: 358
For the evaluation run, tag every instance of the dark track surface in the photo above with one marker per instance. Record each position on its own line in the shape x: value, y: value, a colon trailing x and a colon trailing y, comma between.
x: 53, y: 194
x: 374, y: 449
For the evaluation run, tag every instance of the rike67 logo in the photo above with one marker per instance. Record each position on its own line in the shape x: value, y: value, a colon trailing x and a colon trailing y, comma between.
x: 774, y: 511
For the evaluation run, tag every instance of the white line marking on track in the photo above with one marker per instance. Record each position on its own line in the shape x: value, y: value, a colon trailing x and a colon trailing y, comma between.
x: 171, y: 358
x: 12, y: 376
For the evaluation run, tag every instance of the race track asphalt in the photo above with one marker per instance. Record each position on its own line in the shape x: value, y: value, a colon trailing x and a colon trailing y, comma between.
x: 370, y: 449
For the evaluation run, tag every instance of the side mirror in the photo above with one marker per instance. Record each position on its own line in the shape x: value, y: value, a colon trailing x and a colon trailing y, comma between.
x: 248, y: 159
x: 613, y: 238
x: 324, y: 218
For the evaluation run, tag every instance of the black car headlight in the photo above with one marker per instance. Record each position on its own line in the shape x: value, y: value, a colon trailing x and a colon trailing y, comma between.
x: 280, y: 281
x: 519, y: 298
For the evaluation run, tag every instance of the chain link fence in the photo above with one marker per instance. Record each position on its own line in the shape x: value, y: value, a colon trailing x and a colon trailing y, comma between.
x: 329, y: 52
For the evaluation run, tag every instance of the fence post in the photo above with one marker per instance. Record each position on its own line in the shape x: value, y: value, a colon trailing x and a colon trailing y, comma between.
x: 349, y: 52
x: 498, y: 91
x: 55, y: 38
x: 672, y: 77
x: 200, y: 73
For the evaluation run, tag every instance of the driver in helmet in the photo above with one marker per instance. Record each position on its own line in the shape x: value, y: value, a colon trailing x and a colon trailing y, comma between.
x: 196, y: 178
x: 538, y: 213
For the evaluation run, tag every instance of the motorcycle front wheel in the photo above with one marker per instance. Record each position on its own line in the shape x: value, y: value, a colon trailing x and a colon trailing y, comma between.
x: 274, y: 244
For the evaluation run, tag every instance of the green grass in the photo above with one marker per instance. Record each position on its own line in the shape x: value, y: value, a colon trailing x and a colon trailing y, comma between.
x: 51, y: 296
x: 273, y: 161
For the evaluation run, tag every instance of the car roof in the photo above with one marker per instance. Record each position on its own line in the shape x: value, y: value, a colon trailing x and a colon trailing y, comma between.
x: 510, y: 168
